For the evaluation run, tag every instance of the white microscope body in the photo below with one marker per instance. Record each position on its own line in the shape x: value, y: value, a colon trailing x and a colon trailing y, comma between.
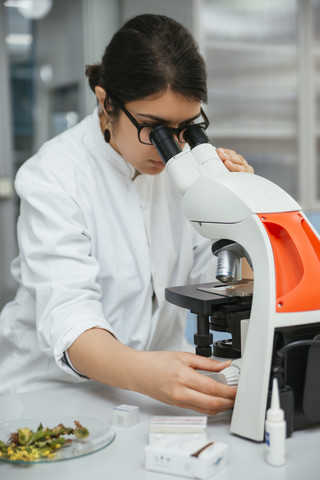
x: 285, y: 253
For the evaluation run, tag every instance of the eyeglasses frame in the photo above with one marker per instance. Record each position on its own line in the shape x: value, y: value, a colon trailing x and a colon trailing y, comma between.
x: 140, y: 126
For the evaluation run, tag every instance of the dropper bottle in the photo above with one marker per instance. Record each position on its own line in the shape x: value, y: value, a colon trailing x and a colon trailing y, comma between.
x: 275, y: 430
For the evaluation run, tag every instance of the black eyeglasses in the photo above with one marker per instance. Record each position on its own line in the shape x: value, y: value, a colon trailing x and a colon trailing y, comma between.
x: 144, y: 129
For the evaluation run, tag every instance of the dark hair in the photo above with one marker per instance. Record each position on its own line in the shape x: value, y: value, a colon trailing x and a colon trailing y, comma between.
x: 149, y: 54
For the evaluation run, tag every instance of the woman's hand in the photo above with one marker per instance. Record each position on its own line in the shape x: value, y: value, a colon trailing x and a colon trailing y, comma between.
x: 172, y: 378
x: 233, y: 161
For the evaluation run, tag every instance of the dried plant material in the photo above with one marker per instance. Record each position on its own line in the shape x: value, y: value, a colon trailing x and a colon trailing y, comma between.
x: 29, y: 446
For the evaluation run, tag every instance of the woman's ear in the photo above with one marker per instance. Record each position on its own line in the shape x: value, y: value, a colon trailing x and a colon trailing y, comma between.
x: 100, y: 94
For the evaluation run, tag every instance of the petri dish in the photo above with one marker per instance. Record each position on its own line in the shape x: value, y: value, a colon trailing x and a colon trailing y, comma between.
x: 101, y: 434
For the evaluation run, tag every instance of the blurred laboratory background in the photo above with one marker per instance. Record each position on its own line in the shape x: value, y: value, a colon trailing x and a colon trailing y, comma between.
x: 263, y: 59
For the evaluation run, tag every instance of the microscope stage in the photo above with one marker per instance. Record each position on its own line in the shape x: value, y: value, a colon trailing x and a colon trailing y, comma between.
x: 241, y: 289
x: 204, y: 298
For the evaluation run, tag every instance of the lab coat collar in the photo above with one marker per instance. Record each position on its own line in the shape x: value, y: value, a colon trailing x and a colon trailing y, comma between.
x: 105, y: 152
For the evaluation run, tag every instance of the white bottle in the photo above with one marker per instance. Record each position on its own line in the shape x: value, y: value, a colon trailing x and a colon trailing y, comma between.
x: 275, y: 430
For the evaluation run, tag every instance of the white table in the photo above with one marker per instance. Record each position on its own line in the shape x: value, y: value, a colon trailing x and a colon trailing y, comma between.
x: 124, y: 458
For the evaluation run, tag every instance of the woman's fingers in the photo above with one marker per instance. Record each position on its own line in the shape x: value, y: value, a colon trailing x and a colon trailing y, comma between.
x: 234, y: 161
x: 195, y: 380
x: 204, y: 363
x: 205, y: 402
x: 201, y: 393
x: 208, y: 385
x: 173, y: 377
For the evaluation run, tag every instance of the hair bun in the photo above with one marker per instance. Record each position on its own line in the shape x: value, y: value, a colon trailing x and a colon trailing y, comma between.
x: 93, y: 73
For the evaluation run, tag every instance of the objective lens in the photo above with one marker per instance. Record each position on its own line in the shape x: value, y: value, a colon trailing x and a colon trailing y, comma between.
x: 226, y: 267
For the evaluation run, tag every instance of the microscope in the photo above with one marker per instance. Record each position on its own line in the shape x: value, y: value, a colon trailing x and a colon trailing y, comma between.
x: 274, y: 319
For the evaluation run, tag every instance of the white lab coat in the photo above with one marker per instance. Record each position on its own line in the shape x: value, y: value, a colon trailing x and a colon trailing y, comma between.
x: 96, y: 249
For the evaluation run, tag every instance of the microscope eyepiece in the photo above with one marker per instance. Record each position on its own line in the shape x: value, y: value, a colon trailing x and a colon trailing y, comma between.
x: 165, y: 144
x: 194, y: 135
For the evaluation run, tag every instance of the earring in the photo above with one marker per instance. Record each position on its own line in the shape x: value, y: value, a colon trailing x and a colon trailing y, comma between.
x: 107, y: 135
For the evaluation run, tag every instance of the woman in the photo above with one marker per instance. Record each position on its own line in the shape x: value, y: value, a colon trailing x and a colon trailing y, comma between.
x: 101, y: 234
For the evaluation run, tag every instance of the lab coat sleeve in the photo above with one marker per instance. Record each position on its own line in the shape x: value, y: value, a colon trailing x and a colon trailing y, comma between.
x: 204, y: 265
x: 56, y: 266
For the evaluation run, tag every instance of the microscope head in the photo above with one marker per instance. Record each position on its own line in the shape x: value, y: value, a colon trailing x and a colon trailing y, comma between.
x: 228, y: 252
x: 163, y: 139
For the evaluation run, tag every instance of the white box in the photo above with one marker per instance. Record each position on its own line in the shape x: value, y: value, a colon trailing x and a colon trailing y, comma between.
x: 194, y: 427
x: 186, y: 457
x: 178, y: 424
x: 155, y: 437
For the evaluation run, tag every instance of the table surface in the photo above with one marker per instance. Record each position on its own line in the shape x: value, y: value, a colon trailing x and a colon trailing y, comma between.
x: 124, y: 457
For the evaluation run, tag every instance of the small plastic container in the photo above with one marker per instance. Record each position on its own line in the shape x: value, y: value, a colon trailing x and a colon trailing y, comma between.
x: 125, y: 416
